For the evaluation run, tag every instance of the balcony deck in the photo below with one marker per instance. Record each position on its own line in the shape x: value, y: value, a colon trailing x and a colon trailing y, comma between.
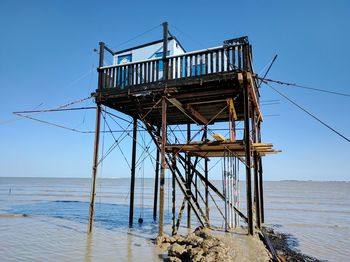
x: 198, y: 85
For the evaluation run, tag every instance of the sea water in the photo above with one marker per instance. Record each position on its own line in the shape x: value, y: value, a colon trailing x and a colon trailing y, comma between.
x: 316, y: 214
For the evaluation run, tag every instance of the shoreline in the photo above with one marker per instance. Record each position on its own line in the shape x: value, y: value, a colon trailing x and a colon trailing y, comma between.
x: 285, y: 251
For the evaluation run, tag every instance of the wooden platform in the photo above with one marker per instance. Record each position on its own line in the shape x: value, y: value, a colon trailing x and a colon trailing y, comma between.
x: 199, y: 99
x: 220, y: 149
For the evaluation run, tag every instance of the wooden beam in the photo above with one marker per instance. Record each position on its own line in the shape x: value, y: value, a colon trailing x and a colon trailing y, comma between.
x: 232, y: 108
x: 197, y: 115
x: 189, y: 111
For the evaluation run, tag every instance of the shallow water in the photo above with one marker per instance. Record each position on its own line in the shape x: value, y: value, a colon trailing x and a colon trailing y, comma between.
x: 316, y: 213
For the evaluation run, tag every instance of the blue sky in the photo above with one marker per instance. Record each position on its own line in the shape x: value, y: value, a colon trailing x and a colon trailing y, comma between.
x: 47, y: 59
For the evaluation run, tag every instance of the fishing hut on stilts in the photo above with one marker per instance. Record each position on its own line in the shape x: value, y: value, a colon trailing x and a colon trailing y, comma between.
x: 191, y: 89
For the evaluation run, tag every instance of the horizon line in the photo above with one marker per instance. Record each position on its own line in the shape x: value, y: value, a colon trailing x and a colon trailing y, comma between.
x: 66, y: 177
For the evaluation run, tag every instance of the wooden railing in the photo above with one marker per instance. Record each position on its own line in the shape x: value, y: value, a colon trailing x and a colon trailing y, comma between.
x: 192, y: 64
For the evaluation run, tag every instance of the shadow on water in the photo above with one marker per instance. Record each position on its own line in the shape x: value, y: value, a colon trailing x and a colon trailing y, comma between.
x: 107, y: 216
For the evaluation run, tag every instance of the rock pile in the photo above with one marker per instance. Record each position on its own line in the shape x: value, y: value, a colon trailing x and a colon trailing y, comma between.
x: 197, y: 246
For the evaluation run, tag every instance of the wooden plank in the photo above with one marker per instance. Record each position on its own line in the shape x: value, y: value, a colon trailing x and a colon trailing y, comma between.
x: 232, y: 108
x: 219, y: 137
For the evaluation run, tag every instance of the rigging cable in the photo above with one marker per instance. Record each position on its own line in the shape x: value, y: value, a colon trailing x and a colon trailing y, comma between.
x: 59, y: 108
x: 142, y: 171
x: 266, y: 80
x: 135, y: 37
x: 267, y: 71
x: 310, y: 114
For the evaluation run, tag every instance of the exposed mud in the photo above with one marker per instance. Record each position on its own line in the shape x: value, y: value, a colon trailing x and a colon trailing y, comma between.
x: 283, y: 244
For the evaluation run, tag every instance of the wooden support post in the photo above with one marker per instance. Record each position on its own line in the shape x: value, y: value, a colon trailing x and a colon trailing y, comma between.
x: 101, y: 64
x: 173, y: 180
x: 261, y: 184
x: 256, y: 175
x: 97, y: 141
x: 156, y: 181
x: 94, y: 168
x: 165, y: 51
x: 206, y: 177
x: 163, y: 165
x: 189, y: 178
x: 247, y: 155
x: 133, y: 171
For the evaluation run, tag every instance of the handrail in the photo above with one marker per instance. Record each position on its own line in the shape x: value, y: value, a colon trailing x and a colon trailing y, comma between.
x: 132, y: 63
x: 214, y: 60
x: 168, y: 57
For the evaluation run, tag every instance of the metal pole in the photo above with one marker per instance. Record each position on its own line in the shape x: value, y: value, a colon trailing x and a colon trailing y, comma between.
x: 156, y: 181
x: 225, y: 191
x: 261, y: 184
x: 94, y: 168
x: 173, y: 194
x: 163, y: 165
x: 256, y: 175
x: 247, y: 154
x: 231, y: 192
x: 189, y: 178
x: 133, y: 171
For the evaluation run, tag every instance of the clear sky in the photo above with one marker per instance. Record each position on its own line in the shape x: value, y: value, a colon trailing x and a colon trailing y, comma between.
x: 47, y: 59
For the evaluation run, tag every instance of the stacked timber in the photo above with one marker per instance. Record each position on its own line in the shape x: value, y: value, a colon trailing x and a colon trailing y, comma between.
x: 221, y: 148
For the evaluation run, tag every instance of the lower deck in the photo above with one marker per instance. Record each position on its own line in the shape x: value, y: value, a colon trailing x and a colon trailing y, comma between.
x: 220, y: 148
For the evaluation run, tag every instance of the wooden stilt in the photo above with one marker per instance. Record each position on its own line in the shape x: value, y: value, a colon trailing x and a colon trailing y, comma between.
x: 248, y: 155
x: 163, y: 165
x: 97, y: 141
x: 133, y: 171
x: 206, y: 177
x: 261, y: 184
x: 189, y: 178
x: 156, y: 181
x: 173, y: 194
x: 94, y: 168
x: 256, y: 175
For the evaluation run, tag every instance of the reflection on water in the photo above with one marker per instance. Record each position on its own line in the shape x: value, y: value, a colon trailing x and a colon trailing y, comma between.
x: 316, y: 213
x: 87, y: 257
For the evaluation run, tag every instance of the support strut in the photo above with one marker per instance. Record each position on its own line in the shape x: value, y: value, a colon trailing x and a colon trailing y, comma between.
x: 133, y: 171
x: 94, y: 168
x: 248, y: 155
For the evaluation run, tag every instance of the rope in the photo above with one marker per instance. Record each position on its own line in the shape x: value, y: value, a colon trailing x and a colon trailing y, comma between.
x: 22, y: 115
x: 52, y: 124
x: 135, y: 37
x: 310, y: 114
x: 142, y: 168
x: 266, y: 80
x: 121, y: 151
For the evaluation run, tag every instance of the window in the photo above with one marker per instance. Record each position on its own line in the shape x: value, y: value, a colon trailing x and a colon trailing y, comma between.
x: 123, y: 59
x: 123, y: 79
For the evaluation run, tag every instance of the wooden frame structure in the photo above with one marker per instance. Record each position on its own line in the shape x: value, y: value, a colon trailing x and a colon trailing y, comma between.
x: 201, y: 87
